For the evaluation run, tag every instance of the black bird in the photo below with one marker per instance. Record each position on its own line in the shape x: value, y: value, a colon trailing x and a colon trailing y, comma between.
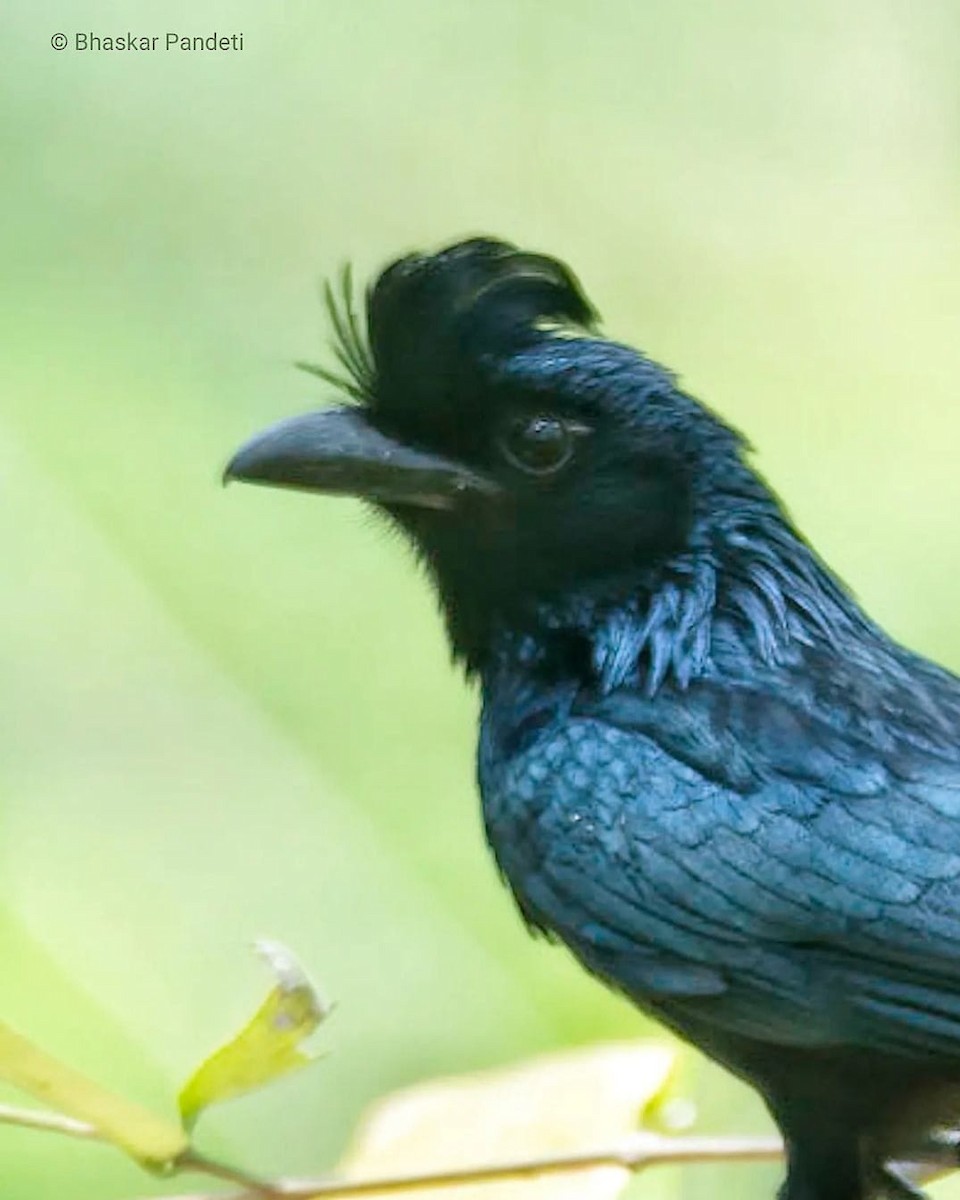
x: 702, y: 766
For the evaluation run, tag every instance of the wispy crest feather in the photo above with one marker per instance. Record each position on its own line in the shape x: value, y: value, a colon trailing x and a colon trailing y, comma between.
x: 349, y: 342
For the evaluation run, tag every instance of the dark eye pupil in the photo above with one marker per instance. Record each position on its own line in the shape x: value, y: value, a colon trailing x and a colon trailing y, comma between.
x: 538, y: 444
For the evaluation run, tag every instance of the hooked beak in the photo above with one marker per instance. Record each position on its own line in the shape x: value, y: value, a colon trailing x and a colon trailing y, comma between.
x: 339, y: 452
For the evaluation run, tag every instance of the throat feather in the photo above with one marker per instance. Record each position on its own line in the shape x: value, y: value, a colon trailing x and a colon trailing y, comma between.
x: 750, y: 600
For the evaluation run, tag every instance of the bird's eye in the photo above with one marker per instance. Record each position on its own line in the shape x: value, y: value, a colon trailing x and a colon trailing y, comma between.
x: 539, y: 444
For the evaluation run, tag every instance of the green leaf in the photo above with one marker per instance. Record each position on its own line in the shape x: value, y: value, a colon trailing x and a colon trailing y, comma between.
x: 153, y: 1141
x: 268, y: 1046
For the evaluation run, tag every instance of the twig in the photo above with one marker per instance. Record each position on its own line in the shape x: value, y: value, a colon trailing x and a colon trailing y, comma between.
x: 28, y: 1118
x: 191, y: 1160
x: 635, y: 1154
x: 199, y: 1163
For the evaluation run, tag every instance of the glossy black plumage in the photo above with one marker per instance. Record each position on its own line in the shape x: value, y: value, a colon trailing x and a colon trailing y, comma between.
x: 702, y: 767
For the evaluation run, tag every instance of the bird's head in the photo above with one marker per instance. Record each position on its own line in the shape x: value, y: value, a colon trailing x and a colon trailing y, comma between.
x: 529, y: 459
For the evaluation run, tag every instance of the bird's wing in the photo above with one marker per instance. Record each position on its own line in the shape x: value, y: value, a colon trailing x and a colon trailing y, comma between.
x: 734, y: 855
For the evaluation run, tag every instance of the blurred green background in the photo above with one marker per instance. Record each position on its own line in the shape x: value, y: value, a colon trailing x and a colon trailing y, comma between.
x: 226, y: 714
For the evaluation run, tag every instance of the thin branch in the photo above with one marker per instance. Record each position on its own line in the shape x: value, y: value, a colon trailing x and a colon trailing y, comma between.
x: 191, y: 1160
x: 635, y: 1154
x: 28, y: 1118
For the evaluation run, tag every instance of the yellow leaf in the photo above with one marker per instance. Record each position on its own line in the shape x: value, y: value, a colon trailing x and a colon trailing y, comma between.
x: 567, y: 1103
x: 154, y: 1142
x: 268, y: 1045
